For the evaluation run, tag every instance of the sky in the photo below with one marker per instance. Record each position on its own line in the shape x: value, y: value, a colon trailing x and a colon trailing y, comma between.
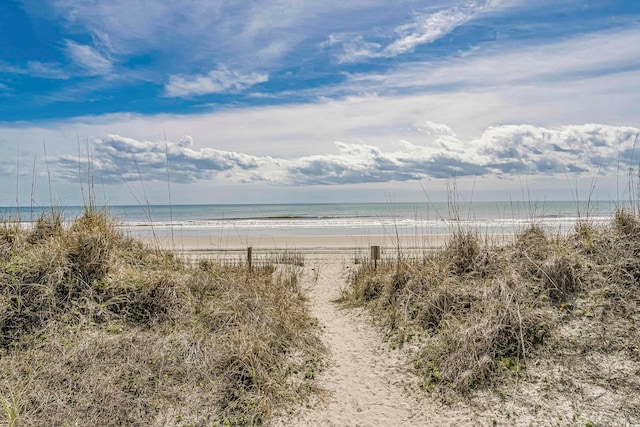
x: 293, y: 101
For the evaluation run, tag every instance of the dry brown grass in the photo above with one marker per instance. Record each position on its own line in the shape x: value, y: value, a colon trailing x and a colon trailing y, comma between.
x: 478, y: 315
x: 96, y: 329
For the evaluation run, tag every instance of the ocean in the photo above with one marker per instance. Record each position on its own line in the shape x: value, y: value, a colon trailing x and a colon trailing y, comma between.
x: 342, y: 219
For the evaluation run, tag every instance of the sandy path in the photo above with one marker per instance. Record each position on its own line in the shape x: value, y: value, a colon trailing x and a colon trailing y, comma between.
x: 364, y: 381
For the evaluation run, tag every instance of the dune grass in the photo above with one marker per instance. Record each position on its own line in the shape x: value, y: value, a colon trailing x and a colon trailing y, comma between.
x: 478, y: 314
x: 97, y: 329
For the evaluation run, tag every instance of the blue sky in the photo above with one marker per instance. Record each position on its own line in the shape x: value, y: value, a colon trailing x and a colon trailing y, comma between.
x: 295, y: 101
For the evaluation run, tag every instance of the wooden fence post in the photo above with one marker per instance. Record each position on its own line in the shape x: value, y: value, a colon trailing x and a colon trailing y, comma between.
x: 375, y: 255
x: 249, y: 260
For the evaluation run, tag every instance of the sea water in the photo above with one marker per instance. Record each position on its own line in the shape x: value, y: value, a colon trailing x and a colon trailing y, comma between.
x: 340, y: 219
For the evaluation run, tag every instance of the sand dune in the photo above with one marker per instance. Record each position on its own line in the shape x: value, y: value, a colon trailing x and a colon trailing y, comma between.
x: 365, y: 382
x: 368, y: 384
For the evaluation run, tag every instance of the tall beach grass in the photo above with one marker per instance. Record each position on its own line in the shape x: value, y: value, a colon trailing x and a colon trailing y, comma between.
x: 98, y: 329
x: 479, y: 313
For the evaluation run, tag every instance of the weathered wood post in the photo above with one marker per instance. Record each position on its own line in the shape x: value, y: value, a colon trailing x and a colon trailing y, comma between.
x: 375, y: 255
x: 249, y: 251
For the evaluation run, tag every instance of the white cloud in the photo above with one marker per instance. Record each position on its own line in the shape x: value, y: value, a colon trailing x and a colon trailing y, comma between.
x: 118, y: 23
x: 195, y: 34
x: 116, y: 158
x: 354, y: 48
x: 569, y: 60
x: 583, y: 148
x: 47, y: 70
x: 435, y: 129
x: 88, y: 59
x: 499, y: 151
x: 425, y: 27
x: 218, y: 80
x: 429, y: 27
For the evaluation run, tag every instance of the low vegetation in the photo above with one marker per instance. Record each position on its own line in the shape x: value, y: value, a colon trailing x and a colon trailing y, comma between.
x: 560, y: 311
x: 97, y: 329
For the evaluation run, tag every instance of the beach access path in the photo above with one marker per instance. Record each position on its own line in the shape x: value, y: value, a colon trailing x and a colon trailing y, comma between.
x: 363, y: 380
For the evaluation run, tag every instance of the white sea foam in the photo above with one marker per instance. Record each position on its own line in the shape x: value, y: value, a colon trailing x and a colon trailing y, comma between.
x: 350, y: 226
x: 342, y: 219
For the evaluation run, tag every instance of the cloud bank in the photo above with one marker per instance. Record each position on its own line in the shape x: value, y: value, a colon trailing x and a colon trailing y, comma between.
x: 500, y: 151
x: 116, y: 158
